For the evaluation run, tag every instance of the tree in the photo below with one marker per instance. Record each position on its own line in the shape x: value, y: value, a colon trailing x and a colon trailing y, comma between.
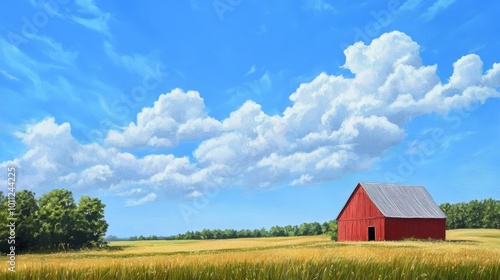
x: 27, y: 223
x: 90, y: 225
x: 4, y: 230
x: 264, y: 232
x: 57, y: 216
x: 315, y: 228
x: 277, y: 231
x: 491, y: 217
x: 206, y: 234
x: 333, y: 230
x: 228, y: 233
x: 290, y: 231
x: 473, y: 214
x: 304, y: 229
x: 325, y: 228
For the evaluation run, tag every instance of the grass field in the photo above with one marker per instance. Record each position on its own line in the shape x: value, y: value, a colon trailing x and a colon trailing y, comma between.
x: 467, y: 254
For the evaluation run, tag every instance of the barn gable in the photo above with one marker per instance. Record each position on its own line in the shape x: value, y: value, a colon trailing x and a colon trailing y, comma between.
x: 352, y: 210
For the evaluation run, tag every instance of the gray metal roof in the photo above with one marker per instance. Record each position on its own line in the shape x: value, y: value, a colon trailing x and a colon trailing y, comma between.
x: 398, y: 201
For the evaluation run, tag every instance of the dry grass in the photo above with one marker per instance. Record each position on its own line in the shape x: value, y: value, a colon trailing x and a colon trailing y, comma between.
x: 467, y: 251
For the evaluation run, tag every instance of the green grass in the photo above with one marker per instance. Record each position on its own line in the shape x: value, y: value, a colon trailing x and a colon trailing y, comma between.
x: 467, y: 254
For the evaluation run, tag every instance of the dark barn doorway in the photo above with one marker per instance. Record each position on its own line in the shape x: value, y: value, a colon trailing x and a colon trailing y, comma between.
x: 371, y: 233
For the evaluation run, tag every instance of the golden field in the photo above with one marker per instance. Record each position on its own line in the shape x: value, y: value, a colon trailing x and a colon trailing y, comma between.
x: 467, y: 254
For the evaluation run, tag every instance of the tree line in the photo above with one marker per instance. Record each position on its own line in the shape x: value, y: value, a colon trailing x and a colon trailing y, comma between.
x: 315, y: 228
x: 473, y: 214
x: 54, y: 221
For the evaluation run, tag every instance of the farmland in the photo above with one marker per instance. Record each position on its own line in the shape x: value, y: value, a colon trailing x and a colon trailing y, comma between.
x: 467, y: 254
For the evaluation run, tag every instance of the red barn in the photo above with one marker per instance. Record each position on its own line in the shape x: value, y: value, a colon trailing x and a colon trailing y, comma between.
x: 390, y: 212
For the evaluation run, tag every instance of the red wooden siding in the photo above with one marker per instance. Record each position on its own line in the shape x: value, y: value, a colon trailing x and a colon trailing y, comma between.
x: 358, y: 214
x: 357, y: 230
x: 400, y: 228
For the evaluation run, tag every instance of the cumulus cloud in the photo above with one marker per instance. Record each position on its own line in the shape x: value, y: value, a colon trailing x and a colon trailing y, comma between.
x: 174, y: 117
x: 334, y: 125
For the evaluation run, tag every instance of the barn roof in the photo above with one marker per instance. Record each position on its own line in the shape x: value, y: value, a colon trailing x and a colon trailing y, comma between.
x: 398, y: 201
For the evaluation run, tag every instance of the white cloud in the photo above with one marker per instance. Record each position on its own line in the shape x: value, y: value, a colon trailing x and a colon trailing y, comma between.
x: 55, y: 51
x: 9, y: 76
x: 194, y: 195
x: 91, y: 16
x: 148, y: 198
x: 410, y: 5
x: 302, y: 180
x: 29, y: 70
x: 132, y: 192
x: 251, y: 70
x: 436, y: 8
x: 83, y: 12
x: 176, y: 116
x: 135, y: 63
x: 89, y: 176
x: 334, y: 125
x: 319, y: 5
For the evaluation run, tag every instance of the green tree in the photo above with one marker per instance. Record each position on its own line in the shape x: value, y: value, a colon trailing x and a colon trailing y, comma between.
x: 57, y: 216
x: 90, y: 226
x: 264, y: 232
x: 4, y: 230
x: 228, y: 233
x: 325, y: 228
x: 277, y: 231
x: 315, y: 228
x: 333, y: 230
x: 206, y: 234
x: 304, y: 229
x: 491, y: 217
x: 27, y: 222
x: 290, y: 230
x: 474, y: 214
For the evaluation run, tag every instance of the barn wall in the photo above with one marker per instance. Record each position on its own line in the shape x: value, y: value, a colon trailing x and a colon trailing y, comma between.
x: 400, y: 228
x: 357, y: 230
x: 358, y: 214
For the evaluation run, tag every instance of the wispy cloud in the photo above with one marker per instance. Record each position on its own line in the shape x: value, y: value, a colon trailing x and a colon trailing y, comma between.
x: 148, y: 198
x: 83, y: 12
x: 410, y: 5
x: 135, y: 63
x: 319, y: 5
x: 55, y: 51
x: 9, y: 76
x: 251, y: 70
x: 436, y: 8
x: 91, y: 16
x: 99, y: 24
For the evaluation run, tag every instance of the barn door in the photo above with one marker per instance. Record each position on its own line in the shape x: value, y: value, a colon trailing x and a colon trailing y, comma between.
x: 371, y: 233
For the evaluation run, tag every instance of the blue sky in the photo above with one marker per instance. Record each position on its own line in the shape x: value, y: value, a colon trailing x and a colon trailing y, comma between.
x: 247, y: 114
